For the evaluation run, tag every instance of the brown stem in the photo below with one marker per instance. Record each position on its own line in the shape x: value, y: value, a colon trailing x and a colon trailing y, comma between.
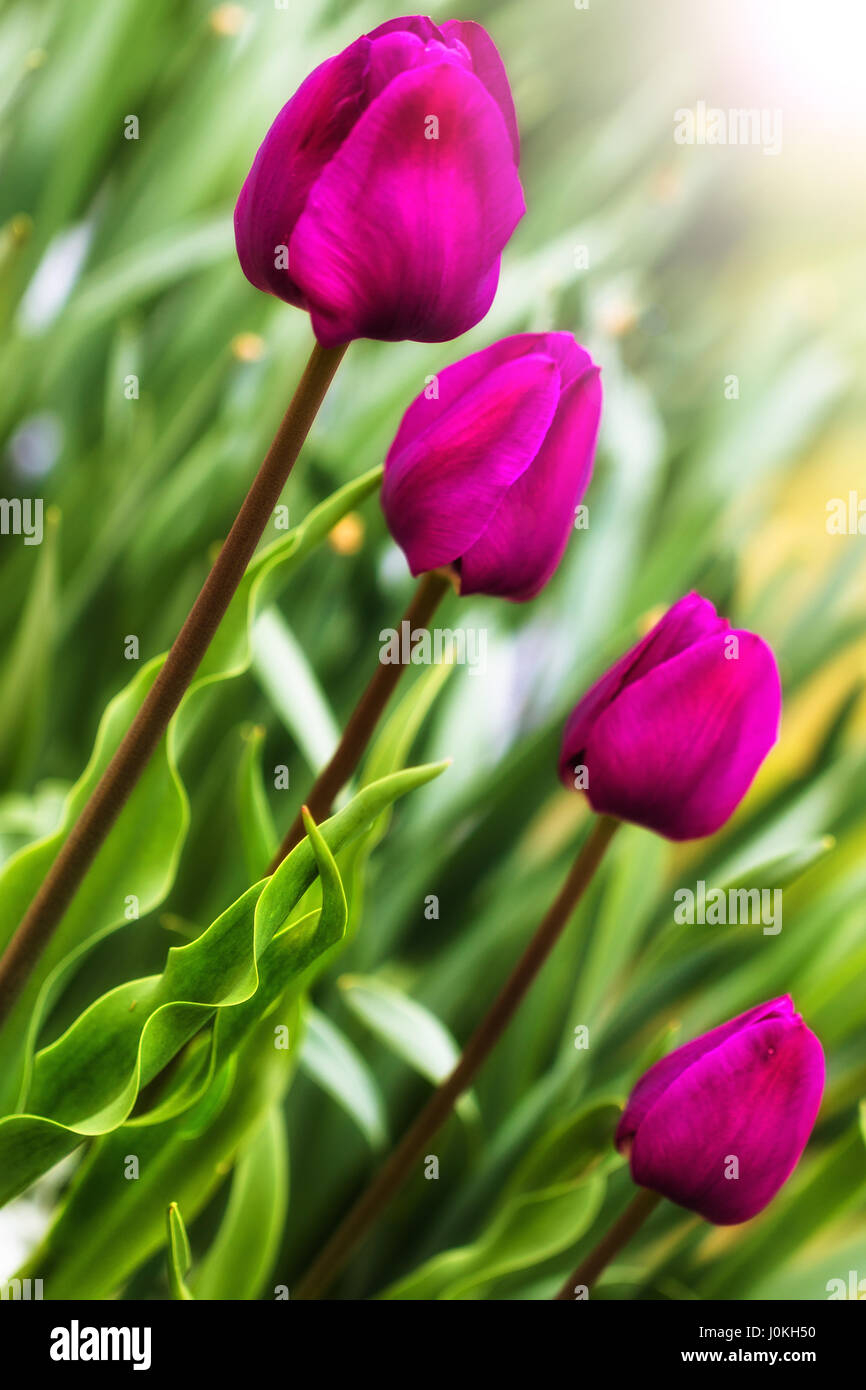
x: 397, y: 1168
x: 119, y: 778
x: 610, y: 1245
x: 365, y: 716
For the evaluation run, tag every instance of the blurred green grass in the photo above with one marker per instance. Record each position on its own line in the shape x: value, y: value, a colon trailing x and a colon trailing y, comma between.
x: 116, y: 258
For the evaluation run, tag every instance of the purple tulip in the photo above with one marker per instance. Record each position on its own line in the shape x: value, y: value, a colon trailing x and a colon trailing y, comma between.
x: 386, y: 189
x: 719, y: 1125
x: 672, y: 736
x: 488, y: 466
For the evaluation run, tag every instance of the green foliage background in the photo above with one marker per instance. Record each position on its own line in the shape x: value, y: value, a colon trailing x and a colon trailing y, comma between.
x: 116, y: 258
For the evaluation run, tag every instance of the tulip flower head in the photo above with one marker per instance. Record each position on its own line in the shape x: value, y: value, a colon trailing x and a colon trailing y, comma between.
x: 487, y: 468
x: 674, y: 733
x: 386, y: 188
x: 719, y: 1124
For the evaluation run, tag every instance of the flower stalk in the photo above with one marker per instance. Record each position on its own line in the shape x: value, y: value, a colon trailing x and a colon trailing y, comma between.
x: 141, y: 739
x: 620, y: 1233
x: 429, y: 593
x: 398, y: 1167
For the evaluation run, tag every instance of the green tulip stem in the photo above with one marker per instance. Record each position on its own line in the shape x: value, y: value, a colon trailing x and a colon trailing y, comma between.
x: 150, y: 723
x: 431, y: 589
x: 414, y: 1143
x: 620, y: 1234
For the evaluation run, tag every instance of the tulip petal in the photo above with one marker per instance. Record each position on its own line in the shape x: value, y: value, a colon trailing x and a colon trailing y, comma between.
x: 754, y: 1099
x: 524, y: 542
x: 308, y: 131
x: 417, y: 24
x: 394, y: 53
x: 441, y: 488
x: 690, y: 619
x: 454, y: 381
x: 489, y: 67
x: 677, y: 749
x: 656, y: 1081
x: 401, y: 235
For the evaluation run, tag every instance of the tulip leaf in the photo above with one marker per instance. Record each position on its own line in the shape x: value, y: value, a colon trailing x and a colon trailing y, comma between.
x: 96, y: 1250
x: 25, y: 681
x: 529, y: 1228
x: 139, y: 857
x: 286, y: 677
x: 408, y: 1029
x: 179, y: 1257
x: 24, y: 819
x: 389, y: 751
x: 86, y: 1082
x: 634, y: 865
x: 141, y: 852
x: 782, y: 869
x: 136, y: 274
x: 258, y: 832
x: 393, y: 743
x: 95, y: 1245
x: 571, y: 1149
x: 243, y: 1252
x: 331, y: 1060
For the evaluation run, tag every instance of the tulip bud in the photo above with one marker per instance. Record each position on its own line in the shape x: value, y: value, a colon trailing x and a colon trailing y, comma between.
x: 486, y: 470
x: 386, y: 188
x: 719, y: 1125
x: 672, y: 736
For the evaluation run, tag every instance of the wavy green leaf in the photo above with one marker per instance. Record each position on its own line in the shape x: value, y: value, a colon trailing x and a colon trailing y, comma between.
x: 87, y: 1081
x: 136, y: 865
x: 560, y: 1178
x: 111, y: 1220
x: 530, y: 1228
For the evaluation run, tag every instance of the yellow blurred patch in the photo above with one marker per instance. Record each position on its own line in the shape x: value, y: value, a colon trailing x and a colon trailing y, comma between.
x: 347, y: 537
x: 248, y: 347
x: 228, y: 20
